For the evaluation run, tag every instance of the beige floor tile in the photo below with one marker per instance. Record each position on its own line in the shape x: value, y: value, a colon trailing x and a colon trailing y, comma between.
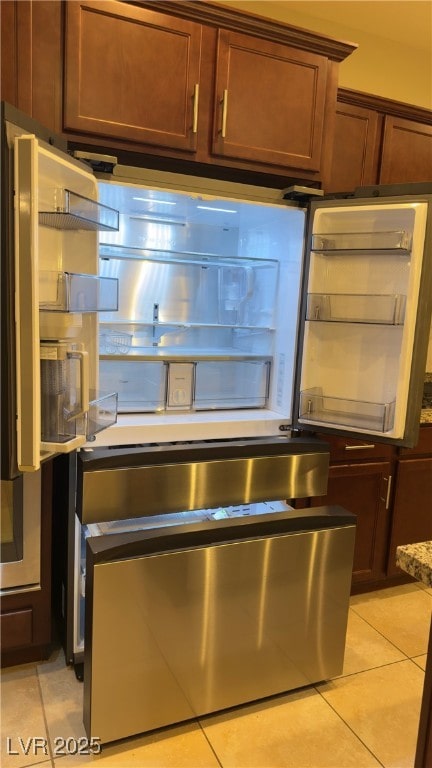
x: 62, y: 696
x: 382, y: 706
x: 402, y: 614
x: 297, y: 730
x: 22, y: 719
x: 366, y: 648
x: 420, y: 661
x: 181, y: 746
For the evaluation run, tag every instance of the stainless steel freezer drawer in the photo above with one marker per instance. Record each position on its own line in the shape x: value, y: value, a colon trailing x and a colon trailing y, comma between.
x: 191, y: 620
x: 121, y: 483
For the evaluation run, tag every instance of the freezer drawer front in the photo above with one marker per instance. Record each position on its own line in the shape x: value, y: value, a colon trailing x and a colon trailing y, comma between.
x: 117, y: 485
x: 176, y: 635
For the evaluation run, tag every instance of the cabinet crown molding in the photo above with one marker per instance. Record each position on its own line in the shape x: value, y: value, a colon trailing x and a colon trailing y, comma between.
x: 208, y: 13
x: 384, y: 105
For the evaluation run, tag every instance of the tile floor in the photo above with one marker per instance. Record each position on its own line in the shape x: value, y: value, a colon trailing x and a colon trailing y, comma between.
x: 366, y: 717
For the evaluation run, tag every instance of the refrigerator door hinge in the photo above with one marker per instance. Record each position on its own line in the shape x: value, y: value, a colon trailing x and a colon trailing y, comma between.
x: 98, y: 162
x: 301, y: 194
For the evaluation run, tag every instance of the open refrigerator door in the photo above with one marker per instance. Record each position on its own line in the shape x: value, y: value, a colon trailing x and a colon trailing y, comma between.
x: 58, y: 296
x: 367, y: 302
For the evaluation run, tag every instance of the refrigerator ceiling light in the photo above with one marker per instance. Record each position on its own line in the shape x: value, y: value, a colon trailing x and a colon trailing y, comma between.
x: 211, y: 208
x: 152, y: 200
x: 157, y: 220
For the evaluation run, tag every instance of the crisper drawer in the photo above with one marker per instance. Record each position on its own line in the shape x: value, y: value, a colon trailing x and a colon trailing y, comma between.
x: 177, y: 384
x: 193, y: 619
x: 141, y: 385
x: 240, y: 384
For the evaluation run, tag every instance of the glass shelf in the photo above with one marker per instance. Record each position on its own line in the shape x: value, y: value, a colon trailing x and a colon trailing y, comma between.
x: 318, y: 407
x: 356, y: 308
x: 68, y: 210
x: 130, y: 338
x: 72, y: 292
x: 398, y: 241
x: 180, y: 257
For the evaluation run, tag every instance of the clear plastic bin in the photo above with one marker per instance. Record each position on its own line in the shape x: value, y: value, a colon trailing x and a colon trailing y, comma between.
x: 398, y: 240
x: 102, y: 413
x: 356, y: 308
x: 318, y: 407
x: 68, y: 210
x: 140, y: 385
x: 73, y: 292
x: 231, y: 384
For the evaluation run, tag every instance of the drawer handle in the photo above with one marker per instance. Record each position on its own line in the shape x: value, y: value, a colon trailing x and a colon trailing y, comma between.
x: 195, y: 108
x: 359, y: 447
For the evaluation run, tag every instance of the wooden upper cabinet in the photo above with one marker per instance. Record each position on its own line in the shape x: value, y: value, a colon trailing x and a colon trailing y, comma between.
x: 131, y: 74
x: 269, y: 102
x: 378, y: 141
x: 407, y: 151
x: 355, y: 156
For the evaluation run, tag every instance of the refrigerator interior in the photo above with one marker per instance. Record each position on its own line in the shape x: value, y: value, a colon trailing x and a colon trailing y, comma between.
x: 206, y: 329
x: 363, y: 289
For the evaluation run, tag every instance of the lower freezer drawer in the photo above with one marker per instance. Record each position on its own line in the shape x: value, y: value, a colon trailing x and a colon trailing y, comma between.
x: 176, y: 633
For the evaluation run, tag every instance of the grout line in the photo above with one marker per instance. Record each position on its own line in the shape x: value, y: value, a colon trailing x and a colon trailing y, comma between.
x: 351, y: 728
x: 209, y: 743
x: 371, y: 669
x: 386, y: 638
x: 45, y: 719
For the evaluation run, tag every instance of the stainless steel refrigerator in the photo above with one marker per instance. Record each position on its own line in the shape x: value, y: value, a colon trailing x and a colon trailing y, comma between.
x: 173, y: 335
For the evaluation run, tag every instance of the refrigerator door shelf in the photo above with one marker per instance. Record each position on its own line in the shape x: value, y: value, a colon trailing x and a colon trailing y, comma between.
x: 356, y: 308
x: 317, y: 407
x: 69, y: 210
x: 72, y: 292
x: 102, y: 413
x: 388, y: 242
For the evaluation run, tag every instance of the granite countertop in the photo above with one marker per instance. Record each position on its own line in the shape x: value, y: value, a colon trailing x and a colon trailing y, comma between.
x: 416, y: 560
x: 426, y: 416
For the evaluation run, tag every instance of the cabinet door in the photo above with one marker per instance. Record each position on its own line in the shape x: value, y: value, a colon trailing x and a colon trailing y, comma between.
x: 31, y: 59
x: 407, y: 151
x: 363, y: 489
x: 355, y: 158
x: 269, y: 102
x: 412, y: 514
x: 131, y: 74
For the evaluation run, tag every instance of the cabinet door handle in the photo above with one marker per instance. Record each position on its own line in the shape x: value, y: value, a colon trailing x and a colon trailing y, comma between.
x: 224, y: 103
x: 359, y: 447
x: 195, y: 108
x: 387, y: 498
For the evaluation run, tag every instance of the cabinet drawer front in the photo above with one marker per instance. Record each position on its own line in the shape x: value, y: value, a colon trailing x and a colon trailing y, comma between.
x: 350, y: 449
x: 16, y: 629
x: 131, y: 73
x: 269, y: 102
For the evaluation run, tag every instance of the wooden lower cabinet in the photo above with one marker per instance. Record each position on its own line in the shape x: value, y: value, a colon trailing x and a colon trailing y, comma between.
x: 25, y: 617
x: 412, y: 506
x: 363, y: 488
